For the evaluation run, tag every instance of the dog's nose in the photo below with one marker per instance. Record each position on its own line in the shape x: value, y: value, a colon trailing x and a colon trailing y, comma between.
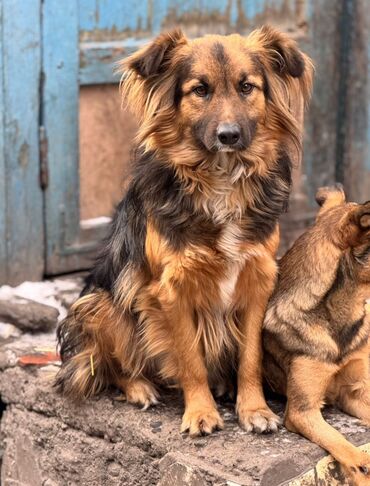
x: 228, y: 133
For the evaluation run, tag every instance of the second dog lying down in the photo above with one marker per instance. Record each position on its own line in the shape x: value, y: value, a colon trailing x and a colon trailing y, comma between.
x: 316, y: 330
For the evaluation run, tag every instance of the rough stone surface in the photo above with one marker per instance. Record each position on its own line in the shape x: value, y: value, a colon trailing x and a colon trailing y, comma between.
x: 28, y: 315
x: 49, y: 441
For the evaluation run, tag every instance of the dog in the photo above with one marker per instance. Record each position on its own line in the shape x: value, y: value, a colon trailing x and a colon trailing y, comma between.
x: 316, y: 329
x: 179, y: 291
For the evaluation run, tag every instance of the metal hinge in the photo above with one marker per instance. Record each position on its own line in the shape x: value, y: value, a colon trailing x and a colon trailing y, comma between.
x: 44, y: 169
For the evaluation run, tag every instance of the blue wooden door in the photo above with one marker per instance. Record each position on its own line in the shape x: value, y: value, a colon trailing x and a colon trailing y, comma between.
x: 49, y: 49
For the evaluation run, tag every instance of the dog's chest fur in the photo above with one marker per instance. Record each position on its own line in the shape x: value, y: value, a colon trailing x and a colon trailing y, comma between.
x: 231, y: 245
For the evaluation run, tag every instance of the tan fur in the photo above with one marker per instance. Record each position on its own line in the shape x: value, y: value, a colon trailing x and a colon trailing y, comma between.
x: 316, y: 329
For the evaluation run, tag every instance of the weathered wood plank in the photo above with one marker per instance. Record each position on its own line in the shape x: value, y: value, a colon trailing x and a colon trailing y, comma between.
x: 60, y: 119
x: 321, y: 43
x: 98, y: 59
x: 3, y: 236
x: 353, y: 145
x: 101, y: 20
x: 23, y: 225
x: 125, y: 17
x: 367, y: 36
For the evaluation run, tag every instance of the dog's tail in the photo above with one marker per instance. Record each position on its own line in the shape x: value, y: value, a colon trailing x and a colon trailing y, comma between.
x: 87, y: 364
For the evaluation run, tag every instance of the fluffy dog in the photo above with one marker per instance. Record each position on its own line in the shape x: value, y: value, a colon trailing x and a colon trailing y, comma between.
x: 317, y: 325
x: 179, y: 291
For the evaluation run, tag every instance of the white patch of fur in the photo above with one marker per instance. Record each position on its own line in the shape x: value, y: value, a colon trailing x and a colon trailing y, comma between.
x: 227, y: 285
x: 226, y: 149
x: 231, y: 245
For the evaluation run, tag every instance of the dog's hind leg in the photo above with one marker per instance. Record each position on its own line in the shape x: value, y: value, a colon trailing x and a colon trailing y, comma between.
x: 99, y: 347
x: 308, y: 382
x: 351, y: 387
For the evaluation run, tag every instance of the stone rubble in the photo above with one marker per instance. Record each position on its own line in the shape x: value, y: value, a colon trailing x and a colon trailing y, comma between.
x: 28, y: 315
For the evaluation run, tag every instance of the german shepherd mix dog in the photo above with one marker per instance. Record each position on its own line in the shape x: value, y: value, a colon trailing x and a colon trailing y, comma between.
x: 180, y: 289
x: 316, y: 329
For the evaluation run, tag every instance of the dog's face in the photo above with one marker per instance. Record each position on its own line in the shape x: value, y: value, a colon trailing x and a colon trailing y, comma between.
x: 217, y: 93
x: 221, y: 93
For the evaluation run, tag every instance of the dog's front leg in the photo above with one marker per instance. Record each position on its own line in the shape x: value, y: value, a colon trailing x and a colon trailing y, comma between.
x: 308, y: 383
x: 257, y: 283
x: 201, y: 416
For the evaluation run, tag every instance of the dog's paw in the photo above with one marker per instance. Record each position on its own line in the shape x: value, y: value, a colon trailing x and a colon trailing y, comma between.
x: 260, y: 421
x: 201, y: 421
x: 141, y: 393
x: 359, y: 470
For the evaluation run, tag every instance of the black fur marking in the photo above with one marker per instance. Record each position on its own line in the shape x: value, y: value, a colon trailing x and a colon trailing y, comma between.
x: 198, y: 131
x: 294, y: 62
x: 258, y: 64
x: 150, y: 64
x: 248, y: 131
x: 182, y: 74
x: 218, y: 51
x: 124, y: 243
x: 272, y: 200
x: 172, y: 211
x: 344, y: 337
x: 363, y: 256
x: 286, y: 59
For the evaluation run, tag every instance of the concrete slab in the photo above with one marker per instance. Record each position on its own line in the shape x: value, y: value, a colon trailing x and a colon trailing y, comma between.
x: 47, y: 440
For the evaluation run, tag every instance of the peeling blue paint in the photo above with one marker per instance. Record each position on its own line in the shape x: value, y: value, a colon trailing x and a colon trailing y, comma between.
x: 21, y: 212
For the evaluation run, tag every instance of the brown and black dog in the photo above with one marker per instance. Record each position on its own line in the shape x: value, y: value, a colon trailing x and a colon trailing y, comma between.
x: 316, y: 329
x: 180, y: 289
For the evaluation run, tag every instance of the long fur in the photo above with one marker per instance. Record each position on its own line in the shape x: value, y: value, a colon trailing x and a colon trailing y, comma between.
x: 190, y: 225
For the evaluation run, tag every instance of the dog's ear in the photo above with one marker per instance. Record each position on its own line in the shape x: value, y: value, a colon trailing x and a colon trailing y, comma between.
x: 288, y: 74
x: 152, y: 60
x: 330, y: 195
x: 281, y: 52
x: 282, y: 59
x: 149, y: 81
x: 365, y: 221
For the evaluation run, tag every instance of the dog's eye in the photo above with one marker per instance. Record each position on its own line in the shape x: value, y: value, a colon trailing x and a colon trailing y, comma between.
x: 201, y: 90
x: 246, y: 88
